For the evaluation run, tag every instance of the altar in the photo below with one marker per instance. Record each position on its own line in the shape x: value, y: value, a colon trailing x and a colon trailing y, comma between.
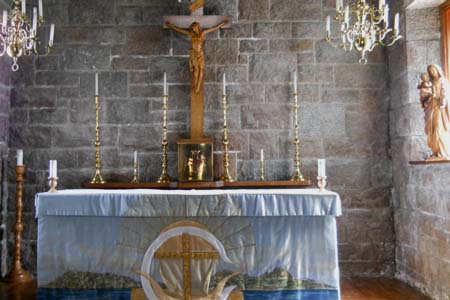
x: 282, y: 243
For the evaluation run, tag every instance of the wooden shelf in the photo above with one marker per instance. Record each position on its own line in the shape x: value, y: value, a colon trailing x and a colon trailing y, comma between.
x: 202, y: 185
x: 268, y: 184
x: 429, y: 162
x: 126, y: 185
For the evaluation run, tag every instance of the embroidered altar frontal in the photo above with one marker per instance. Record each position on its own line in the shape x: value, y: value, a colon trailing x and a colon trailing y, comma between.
x: 267, y: 244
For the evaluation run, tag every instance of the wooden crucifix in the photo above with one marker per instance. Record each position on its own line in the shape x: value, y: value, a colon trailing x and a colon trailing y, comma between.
x: 196, y: 26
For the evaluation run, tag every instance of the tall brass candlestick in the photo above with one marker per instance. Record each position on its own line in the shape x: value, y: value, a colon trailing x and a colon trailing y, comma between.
x: 18, y: 274
x: 226, y: 160
x: 97, y: 175
x: 135, y: 173
x: 297, y: 176
x: 164, y: 178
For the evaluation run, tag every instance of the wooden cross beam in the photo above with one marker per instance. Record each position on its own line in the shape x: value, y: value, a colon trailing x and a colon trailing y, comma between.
x: 196, y: 26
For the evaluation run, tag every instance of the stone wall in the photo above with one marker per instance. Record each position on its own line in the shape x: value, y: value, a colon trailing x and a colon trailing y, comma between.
x: 5, y: 76
x: 421, y: 193
x: 344, y: 106
x: 4, y: 131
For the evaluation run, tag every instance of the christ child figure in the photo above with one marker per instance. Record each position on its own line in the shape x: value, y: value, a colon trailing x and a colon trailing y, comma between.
x: 425, y: 88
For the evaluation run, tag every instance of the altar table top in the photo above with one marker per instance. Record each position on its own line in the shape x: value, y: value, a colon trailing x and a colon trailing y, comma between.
x: 194, y: 203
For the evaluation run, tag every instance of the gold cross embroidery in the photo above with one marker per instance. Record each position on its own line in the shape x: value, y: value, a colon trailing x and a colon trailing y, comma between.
x: 187, y: 256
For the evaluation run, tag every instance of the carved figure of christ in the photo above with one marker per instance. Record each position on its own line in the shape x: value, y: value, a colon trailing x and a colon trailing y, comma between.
x: 192, y: 27
x: 196, y: 54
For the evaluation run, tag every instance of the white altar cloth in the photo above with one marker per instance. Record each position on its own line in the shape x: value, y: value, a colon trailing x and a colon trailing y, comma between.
x: 263, y: 230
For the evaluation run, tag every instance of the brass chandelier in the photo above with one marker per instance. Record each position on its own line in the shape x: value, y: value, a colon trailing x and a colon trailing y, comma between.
x: 363, y: 26
x: 18, y: 36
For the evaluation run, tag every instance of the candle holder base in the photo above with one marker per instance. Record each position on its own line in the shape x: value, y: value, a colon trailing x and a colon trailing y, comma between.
x: 321, y: 183
x: 226, y: 177
x: 52, y: 183
x: 297, y: 176
x: 164, y: 178
x: 98, y: 179
x: 17, y: 275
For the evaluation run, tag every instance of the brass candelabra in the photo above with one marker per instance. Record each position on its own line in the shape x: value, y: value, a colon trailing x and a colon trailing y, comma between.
x: 226, y: 176
x: 97, y: 178
x: 297, y: 176
x: 18, y: 274
x: 164, y: 178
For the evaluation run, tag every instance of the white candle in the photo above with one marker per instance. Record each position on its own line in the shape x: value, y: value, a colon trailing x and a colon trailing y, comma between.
x: 321, y: 168
x: 96, y: 84
x: 386, y: 15
x: 328, y: 25
x: 41, y: 9
x: 262, y: 154
x: 347, y: 14
x: 20, y: 157
x: 339, y: 5
x: 35, y: 13
x: 24, y: 7
x: 5, y: 19
x: 50, y: 168
x: 52, y: 34
x: 166, y: 92
x: 135, y: 157
x: 295, y: 82
x: 224, y: 84
x: 55, y: 169
x: 397, y: 24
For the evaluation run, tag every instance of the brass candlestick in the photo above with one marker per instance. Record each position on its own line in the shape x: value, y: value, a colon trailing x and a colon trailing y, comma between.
x: 52, y: 183
x: 226, y: 160
x: 261, y: 170
x: 164, y: 178
x: 97, y: 175
x: 321, y: 182
x: 135, y: 172
x: 297, y: 176
x: 18, y: 274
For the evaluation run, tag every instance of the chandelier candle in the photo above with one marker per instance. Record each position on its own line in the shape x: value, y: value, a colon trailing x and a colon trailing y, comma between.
x: 41, y: 10
x: 363, y: 26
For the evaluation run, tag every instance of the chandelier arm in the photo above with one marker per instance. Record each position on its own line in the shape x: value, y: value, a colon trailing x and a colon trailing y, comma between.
x: 47, y: 50
x: 396, y: 38
x: 2, y: 40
